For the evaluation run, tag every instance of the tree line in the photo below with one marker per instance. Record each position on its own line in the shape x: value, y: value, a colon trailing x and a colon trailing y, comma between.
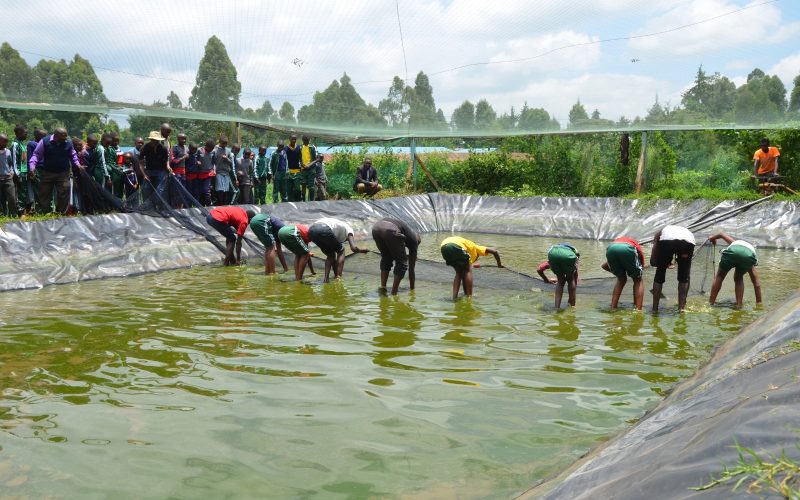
x: 712, y: 99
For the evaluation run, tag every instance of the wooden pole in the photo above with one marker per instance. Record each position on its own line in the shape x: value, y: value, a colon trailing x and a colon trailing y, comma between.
x: 238, y: 133
x: 414, y: 161
x: 642, y: 159
x: 427, y: 173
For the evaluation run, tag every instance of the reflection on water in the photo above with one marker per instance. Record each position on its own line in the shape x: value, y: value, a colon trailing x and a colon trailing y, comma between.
x: 214, y: 382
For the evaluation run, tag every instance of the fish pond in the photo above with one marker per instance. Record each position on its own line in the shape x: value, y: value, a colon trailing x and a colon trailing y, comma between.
x: 212, y: 382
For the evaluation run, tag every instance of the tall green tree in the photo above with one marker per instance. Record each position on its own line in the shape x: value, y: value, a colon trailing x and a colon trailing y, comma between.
x: 422, y: 108
x: 340, y: 104
x: 794, y: 99
x: 464, y: 117
x: 286, y: 113
x: 217, y: 89
x: 711, y: 96
x: 536, y: 119
x: 577, y: 114
x: 761, y: 100
x: 173, y: 101
x: 266, y: 112
x: 394, y: 108
x: 485, y: 116
x: 17, y: 80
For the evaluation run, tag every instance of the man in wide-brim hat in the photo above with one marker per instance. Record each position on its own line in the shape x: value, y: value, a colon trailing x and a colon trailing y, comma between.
x: 154, y: 162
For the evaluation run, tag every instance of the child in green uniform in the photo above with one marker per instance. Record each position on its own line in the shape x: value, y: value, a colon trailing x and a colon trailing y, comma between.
x: 460, y: 254
x: 562, y: 259
x: 296, y: 239
x: 267, y: 227
x: 739, y: 255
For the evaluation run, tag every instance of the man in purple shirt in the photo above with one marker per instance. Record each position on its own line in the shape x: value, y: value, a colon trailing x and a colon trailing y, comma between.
x: 54, y: 156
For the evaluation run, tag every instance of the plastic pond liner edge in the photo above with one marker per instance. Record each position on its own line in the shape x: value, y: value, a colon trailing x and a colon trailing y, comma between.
x: 741, y: 395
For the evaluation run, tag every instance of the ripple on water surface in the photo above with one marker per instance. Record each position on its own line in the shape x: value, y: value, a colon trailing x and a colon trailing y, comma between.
x: 212, y: 382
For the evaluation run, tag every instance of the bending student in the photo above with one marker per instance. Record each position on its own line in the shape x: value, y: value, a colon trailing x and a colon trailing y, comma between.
x: 669, y: 242
x: 266, y: 227
x: 329, y: 234
x: 562, y: 259
x: 742, y: 256
x: 295, y: 238
x: 392, y: 237
x: 624, y: 257
x: 223, y: 219
x: 460, y: 253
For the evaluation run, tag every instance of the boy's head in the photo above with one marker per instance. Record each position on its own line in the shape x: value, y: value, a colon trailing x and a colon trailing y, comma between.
x: 138, y: 143
x: 209, y: 145
x: 127, y: 158
x: 105, y: 139
x: 292, y: 140
x: 192, y: 147
x: 165, y: 130
x: 320, y: 157
x: 91, y: 141
x: 77, y: 143
x: 280, y: 146
x: 20, y: 132
x: 114, y: 139
x: 262, y: 150
x: 223, y: 141
x: 305, y: 140
x: 247, y: 153
x: 235, y: 149
x: 765, y: 145
x: 250, y: 214
x: 38, y: 134
x: 3, y: 141
x: 182, y: 139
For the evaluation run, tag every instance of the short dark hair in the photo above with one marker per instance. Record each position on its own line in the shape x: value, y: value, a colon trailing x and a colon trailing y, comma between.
x: 20, y: 128
x: 250, y: 214
x: 765, y: 141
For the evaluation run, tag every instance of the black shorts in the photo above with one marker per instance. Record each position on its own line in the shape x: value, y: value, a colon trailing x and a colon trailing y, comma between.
x: 322, y: 236
x: 667, y: 249
x: 391, y: 243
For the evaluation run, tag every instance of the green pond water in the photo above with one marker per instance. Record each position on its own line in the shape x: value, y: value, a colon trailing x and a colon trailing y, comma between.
x: 215, y: 382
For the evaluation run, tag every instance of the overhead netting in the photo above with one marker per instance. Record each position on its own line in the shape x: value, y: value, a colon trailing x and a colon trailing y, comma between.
x: 382, y: 70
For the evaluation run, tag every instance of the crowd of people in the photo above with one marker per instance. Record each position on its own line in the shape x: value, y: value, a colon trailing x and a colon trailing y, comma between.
x: 398, y: 245
x: 42, y: 174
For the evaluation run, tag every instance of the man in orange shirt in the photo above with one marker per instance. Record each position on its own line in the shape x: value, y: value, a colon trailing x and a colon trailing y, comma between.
x: 766, y: 160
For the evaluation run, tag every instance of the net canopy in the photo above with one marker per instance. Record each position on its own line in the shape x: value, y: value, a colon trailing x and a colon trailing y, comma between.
x: 385, y: 70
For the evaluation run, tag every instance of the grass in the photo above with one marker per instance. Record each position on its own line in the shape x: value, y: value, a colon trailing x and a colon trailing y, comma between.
x: 779, y: 475
x: 29, y: 218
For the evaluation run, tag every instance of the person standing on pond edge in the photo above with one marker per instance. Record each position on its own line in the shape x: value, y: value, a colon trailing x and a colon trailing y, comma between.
x: 154, y: 163
x: 562, y: 260
x: 293, y: 160
x: 460, y: 254
x: 263, y: 176
x: 279, y: 167
x: 245, y: 173
x: 740, y: 255
x: 57, y: 156
x: 672, y: 241
x: 625, y: 258
x: 223, y: 219
x: 224, y: 181
x: 9, y: 178
x: 308, y: 177
x: 392, y: 237
x: 367, y: 179
x: 329, y: 234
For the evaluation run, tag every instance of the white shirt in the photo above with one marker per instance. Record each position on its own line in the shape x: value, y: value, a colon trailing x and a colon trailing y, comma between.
x: 745, y: 244
x: 677, y: 233
x: 340, y: 229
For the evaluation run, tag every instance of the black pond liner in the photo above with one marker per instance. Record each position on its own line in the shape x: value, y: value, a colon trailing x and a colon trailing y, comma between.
x: 748, y: 393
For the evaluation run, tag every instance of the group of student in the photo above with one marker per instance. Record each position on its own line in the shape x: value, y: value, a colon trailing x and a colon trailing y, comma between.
x: 41, y: 174
x: 398, y: 245
x: 672, y: 245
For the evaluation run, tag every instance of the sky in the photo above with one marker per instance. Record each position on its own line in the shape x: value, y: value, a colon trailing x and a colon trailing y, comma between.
x: 616, y: 56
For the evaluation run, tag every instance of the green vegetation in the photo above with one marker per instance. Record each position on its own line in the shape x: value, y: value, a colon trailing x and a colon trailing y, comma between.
x: 779, y: 475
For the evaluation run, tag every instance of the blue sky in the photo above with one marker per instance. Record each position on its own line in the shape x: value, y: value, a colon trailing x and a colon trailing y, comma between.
x: 164, y: 41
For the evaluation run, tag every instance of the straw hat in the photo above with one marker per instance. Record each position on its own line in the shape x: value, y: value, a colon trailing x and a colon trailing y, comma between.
x: 155, y: 135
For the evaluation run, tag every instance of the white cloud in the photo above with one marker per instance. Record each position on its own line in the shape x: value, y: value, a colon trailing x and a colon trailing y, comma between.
x: 361, y: 37
x: 743, y: 28
x: 787, y: 69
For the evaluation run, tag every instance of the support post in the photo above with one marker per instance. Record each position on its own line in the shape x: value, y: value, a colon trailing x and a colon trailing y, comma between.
x: 642, y: 160
x: 413, y: 155
x: 238, y: 133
